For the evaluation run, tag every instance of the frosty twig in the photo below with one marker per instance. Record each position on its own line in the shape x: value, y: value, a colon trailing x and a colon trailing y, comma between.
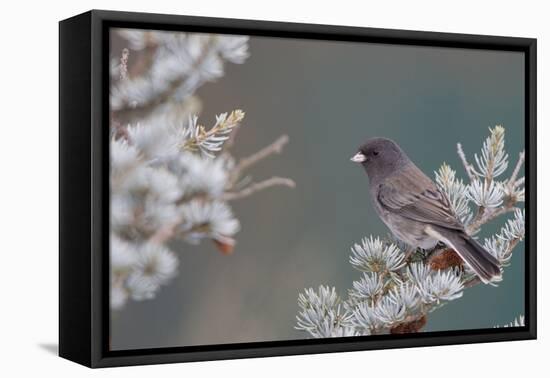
x: 258, y: 186
x: 274, y: 148
x: 467, y: 167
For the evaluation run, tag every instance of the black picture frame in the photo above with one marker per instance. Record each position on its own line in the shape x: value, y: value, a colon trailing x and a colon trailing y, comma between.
x: 84, y: 191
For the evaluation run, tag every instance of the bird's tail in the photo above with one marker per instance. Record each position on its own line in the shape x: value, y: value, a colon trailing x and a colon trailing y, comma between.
x: 485, y: 265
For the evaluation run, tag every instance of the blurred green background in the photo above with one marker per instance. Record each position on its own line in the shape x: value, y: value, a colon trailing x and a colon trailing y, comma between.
x: 329, y: 97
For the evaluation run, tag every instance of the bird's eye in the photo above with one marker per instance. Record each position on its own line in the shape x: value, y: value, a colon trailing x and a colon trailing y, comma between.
x: 375, y: 153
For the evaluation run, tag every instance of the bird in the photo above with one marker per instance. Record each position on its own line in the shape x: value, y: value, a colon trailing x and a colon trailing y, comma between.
x: 414, y: 209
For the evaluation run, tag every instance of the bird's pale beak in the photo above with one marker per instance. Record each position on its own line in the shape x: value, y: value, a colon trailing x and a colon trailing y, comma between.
x: 358, y: 158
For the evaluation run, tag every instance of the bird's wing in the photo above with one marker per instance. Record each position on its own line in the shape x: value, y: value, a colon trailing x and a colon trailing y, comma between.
x: 413, y: 195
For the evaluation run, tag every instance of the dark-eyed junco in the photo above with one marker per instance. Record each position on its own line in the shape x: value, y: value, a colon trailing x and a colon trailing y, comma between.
x: 414, y: 209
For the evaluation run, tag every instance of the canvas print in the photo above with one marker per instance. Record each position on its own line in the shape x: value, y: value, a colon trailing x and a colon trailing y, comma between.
x: 267, y: 189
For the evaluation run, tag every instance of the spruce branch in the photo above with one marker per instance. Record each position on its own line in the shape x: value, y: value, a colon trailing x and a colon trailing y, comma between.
x: 197, y: 138
x: 467, y: 166
x: 172, y: 67
x: 170, y: 177
x: 130, y: 111
x: 514, y: 177
x: 486, y: 217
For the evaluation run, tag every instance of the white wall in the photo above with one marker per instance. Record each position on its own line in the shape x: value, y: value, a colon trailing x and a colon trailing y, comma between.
x: 28, y: 158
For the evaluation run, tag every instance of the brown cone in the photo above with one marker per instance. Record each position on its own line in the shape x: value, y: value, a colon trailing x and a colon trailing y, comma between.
x: 412, y: 326
x: 448, y: 258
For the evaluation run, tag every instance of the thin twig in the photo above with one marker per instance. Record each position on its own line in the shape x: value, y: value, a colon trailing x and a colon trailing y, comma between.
x: 519, y: 182
x: 512, y: 245
x: 513, y: 178
x: 498, y: 212
x: 467, y: 166
x: 478, y: 220
x: 487, y: 217
x: 274, y: 148
x: 258, y: 186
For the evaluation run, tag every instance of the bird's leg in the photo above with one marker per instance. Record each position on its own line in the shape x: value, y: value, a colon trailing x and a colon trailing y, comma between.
x: 433, y: 251
x: 409, y: 252
x: 408, y: 249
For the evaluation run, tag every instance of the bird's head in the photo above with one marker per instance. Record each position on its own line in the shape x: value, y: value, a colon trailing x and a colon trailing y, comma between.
x: 379, y: 157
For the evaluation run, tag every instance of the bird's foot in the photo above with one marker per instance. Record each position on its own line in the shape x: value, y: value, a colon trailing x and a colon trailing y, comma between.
x: 409, y: 253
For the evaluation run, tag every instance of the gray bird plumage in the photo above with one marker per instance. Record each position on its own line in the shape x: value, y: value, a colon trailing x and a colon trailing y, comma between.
x: 414, y: 209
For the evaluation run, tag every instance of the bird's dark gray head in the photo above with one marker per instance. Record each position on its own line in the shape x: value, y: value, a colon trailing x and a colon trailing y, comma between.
x: 380, y: 157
